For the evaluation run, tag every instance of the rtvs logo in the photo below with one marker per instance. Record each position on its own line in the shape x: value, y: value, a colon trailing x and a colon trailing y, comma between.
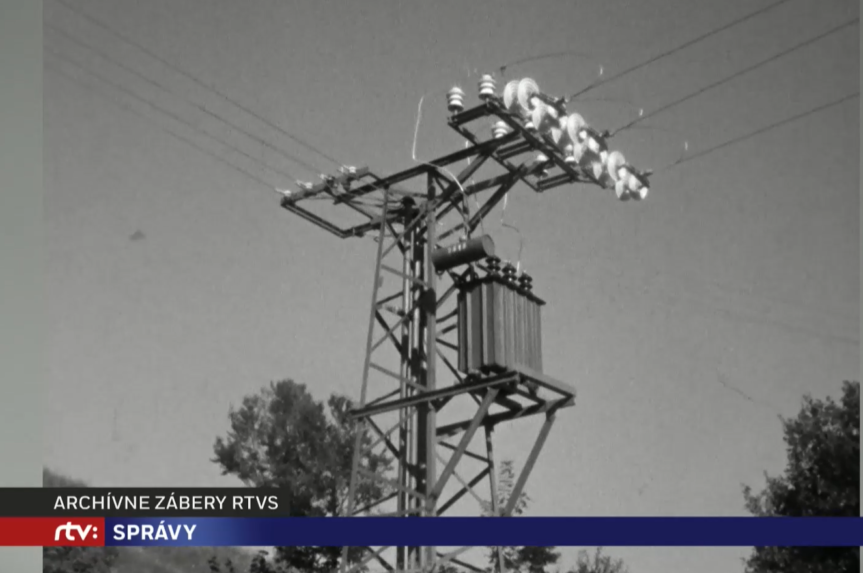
x: 70, y: 530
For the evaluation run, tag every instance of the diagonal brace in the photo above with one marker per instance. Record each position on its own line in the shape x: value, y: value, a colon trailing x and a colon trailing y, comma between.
x: 464, y: 442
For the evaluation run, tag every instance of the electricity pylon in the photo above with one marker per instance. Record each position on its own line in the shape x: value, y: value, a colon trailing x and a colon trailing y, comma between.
x: 424, y: 399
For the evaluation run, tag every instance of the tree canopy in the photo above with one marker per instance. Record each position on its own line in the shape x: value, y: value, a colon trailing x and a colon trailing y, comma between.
x: 598, y: 563
x: 821, y: 479
x: 282, y: 437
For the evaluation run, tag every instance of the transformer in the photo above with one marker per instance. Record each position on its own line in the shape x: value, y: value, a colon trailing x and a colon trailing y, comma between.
x: 499, y: 322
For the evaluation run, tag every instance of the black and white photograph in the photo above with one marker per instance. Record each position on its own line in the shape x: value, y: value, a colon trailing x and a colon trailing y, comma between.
x: 548, y: 258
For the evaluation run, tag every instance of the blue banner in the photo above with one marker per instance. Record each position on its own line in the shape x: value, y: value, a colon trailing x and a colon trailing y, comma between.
x: 478, y: 531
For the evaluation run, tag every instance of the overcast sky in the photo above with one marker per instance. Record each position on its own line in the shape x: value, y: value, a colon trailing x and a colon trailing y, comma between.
x: 686, y: 322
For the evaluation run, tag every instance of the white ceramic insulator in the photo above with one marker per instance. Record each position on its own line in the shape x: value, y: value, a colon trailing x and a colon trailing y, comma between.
x: 455, y: 100
x: 621, y: 190
x: 486, y: 87
x: 637, y: 189
x: 500, y: 129
x: 526, y: 94
x: 510, y: 96
x: 541, y: 158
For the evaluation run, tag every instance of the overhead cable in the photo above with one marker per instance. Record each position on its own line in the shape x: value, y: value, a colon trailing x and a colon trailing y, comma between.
x: 767, y: 128
x: 738, y: 74
x: 194, y: 79
x: 133, y: 110
x: 265, y: 143
x: 182, y: 138
x: 679, y: 48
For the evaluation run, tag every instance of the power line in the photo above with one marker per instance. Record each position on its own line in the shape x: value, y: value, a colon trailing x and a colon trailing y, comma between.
x: 162, y: 110
x: 738, y: 74
x: 144, y: 116
x: 169, y: 114
x: 679, y: 48
x: 545, y: 56
x: 722, y: 378
x: 767, y: 128
x: 194, y: 79
x: 258, y: 139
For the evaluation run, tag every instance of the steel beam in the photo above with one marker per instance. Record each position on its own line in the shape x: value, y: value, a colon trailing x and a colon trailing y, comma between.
x: 431, y: 396
x: 528, y: 465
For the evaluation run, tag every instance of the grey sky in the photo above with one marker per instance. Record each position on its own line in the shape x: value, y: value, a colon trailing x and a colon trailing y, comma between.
x: 739, y: 275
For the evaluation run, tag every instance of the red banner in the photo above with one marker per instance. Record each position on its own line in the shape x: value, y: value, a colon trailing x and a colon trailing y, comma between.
x: 52, y: 532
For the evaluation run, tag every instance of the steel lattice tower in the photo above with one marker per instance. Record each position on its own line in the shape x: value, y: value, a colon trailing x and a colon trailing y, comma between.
x: 411, y: 381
